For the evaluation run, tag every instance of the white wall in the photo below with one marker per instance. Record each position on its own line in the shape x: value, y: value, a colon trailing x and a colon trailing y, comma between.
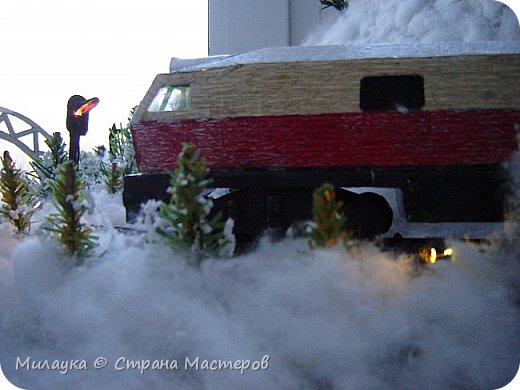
x: 305, y: 15
x: 236, y: 26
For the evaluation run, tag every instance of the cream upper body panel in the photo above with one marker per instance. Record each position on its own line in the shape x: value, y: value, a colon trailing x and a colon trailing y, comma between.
x: 221, y: 88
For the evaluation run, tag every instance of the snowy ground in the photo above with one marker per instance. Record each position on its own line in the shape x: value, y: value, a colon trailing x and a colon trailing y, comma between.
x: 305, y: 319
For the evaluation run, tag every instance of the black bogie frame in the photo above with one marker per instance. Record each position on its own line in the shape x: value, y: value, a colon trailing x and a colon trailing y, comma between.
x: 276, y: 199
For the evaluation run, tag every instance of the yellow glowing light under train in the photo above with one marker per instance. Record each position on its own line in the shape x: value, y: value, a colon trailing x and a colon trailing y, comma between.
x: 432, y: 257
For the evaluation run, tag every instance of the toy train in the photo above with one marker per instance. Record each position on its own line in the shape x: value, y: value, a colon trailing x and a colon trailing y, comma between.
x: 436, y: 122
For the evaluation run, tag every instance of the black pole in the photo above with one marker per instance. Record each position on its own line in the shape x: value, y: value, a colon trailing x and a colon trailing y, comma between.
x: 77, y: 122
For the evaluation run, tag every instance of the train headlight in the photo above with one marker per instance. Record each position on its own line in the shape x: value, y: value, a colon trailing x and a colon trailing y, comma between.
x: 430, y: 255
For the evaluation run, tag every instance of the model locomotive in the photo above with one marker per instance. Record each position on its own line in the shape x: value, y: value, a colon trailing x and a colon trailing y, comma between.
x: 436, y: 122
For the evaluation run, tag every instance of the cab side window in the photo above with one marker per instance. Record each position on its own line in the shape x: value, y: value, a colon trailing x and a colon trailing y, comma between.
x: 391, y: 93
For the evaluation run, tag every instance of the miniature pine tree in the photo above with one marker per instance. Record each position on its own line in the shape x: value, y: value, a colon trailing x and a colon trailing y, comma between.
x: 46, y: 168
x: 187, y: 212
x: 69, y: 201
x: 113, y: 177
x: 121, y: 156
x: 120, y: 148
x: 327, y: 217
x: 340, y: 5
x: 18, y: 205
x: 89, y: 167
x: 57, y: 148
x: 100, y: 150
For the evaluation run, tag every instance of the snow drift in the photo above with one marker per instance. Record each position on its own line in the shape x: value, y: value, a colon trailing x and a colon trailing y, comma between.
x: 325, y: 318
x: 304, y: 319
x: 418, y: 21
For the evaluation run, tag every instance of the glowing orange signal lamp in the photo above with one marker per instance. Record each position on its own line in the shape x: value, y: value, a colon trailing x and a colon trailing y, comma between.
x: 86, y: 107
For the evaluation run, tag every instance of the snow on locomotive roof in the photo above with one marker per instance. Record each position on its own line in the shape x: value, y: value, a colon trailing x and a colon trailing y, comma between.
x: 347, y: 52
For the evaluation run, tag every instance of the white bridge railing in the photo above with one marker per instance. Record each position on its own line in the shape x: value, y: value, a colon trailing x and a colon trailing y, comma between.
x: 11, y: 132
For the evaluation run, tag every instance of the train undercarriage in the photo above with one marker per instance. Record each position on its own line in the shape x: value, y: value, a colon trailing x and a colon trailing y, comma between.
x: 276, y: 200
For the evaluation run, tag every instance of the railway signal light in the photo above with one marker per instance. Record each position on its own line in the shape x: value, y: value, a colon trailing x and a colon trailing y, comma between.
x: 77, y: 121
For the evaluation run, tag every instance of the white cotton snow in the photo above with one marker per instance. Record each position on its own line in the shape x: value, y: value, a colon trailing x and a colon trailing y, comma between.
x: 359, y: 319
x: 325, y: 318
x: 336, y: 319
x: 418, y: 21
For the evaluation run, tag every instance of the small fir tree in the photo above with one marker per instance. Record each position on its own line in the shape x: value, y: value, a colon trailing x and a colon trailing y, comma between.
x: 100, y: 151
x: 328, y: 220
x: 113, y: 177
x: 121, y: 157
x: 57, y: 149
x: 188, y: 210
x: 46, y: 168
x: 340, y: 5
x: 89, y: 169
x: 121, y: 148
x: 17, y: 203
x: 66, y: 225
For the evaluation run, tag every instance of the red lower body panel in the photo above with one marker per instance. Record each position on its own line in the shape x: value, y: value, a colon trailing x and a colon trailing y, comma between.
x: 371, y: 139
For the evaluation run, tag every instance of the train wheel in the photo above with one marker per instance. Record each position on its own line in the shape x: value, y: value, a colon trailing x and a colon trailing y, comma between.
x: 368, y: 214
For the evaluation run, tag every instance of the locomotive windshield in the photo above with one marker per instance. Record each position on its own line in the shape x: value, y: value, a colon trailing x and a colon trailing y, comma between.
x: 171, y: 98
